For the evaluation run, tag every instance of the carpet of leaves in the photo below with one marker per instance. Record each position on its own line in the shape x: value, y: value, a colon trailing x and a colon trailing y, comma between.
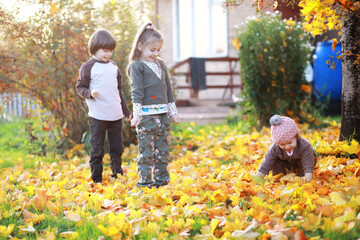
x: 213, y: 193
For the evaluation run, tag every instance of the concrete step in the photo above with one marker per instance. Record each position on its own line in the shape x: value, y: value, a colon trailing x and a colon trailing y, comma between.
x: 205, y: 111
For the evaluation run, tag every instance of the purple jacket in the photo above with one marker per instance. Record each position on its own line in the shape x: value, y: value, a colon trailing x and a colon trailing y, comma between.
x: 303, y: 153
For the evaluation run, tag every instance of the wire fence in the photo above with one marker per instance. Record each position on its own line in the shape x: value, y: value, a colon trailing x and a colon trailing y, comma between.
x: 17, y: 105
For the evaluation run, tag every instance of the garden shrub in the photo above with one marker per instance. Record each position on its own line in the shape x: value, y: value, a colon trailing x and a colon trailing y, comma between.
x: 273, y: 56
x: 41, y: 57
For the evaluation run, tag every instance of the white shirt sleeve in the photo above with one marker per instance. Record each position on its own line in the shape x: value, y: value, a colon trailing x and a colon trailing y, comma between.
x: 137, y: 109
x: 172, y: 108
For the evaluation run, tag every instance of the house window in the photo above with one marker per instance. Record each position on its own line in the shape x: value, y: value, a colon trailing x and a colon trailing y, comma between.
x: 200, y: 29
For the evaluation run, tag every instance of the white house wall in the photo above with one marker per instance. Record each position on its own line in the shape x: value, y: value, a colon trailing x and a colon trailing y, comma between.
x: 166, y: 21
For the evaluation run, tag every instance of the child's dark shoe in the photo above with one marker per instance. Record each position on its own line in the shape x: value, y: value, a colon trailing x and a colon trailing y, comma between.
x: 148, y: 185
x: 157, y: 185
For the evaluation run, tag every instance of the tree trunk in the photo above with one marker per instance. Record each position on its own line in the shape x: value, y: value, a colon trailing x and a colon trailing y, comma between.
x: 350, y: 99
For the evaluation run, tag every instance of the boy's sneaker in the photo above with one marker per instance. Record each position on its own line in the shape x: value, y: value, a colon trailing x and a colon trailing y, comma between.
x: 159, y: 185
x: 148, y: 185
x: 119, y: 172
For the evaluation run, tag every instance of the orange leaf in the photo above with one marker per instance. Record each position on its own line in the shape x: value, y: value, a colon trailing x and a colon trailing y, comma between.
x: 277, y: 177
x: 345, y: 3
x: 324, y: 211
x: 323, y: 191
x: 260, y: 3
x: 334, y: 43
x: 215, y: 212
x: 305, y: 88
x: 299, y: 235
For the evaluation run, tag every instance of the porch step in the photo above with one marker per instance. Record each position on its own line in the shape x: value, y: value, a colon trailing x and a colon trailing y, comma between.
x: 205, y: 111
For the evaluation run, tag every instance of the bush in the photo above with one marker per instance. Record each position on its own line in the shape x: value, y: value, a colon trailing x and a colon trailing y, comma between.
x: 41, y: 56
x: 273, y: 56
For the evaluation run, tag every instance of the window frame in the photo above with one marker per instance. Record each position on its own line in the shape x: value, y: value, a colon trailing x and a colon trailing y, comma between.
x: 176, y: 31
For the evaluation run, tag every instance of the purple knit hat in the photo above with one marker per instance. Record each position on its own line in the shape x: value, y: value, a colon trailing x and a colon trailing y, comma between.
x: 283, y: 129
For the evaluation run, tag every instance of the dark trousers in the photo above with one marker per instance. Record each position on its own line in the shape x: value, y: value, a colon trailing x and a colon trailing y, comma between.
x: 98, y: 129
x: 286, y: 167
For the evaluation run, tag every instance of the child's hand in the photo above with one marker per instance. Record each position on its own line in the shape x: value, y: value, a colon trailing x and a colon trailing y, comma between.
x: 128, y: 118
x: 308, y: 176
x: 257, y: 179
x: 94, y: 93
x: 260, y: 174
x: 135, y: 121
x: 175, y: 118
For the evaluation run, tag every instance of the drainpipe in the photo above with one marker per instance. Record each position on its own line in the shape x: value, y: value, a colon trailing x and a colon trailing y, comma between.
x: 156, y: 13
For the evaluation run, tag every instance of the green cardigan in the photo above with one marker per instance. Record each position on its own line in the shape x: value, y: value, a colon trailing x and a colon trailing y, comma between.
x: 146, y: 87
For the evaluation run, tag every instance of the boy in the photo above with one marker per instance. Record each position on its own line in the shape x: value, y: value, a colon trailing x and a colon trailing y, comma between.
x: 100, y: 84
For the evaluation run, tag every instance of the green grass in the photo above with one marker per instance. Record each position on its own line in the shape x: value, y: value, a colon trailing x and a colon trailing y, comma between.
x: 352, y: 234
x: 17, y: 147
x: 57, y: 224
x: 188, y: 130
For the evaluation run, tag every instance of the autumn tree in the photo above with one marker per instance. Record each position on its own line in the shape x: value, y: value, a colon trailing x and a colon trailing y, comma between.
x: 343, y: 15
x: 41, y: 56
x: 350, y: 100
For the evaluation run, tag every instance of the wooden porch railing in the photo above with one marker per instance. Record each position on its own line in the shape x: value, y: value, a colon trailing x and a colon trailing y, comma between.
x: 229, y: 72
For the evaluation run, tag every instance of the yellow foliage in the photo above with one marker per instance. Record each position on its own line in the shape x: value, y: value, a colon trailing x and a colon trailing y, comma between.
x: 337, y: 198
x: 312, y: 223
x: 236, y: 43
x: 54, y: 8
x: 214, y: 223
x: 320, y: 16
x: 205, y: 193
x: 6, y: 230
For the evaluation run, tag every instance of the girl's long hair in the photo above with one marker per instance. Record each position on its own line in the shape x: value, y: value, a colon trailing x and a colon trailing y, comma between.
x: 146, y: 34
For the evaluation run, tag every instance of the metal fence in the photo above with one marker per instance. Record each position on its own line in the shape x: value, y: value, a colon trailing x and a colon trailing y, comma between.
x: 17, y: 105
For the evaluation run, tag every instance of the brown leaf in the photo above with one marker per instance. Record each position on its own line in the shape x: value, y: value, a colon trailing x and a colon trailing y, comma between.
x: 216, y: 212
x: 325, y: 211
x: 110, y: 205
x: 299, y: 235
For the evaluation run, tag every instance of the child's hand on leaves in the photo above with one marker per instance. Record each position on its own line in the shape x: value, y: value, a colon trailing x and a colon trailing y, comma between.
x: 135, y: 121
x: 308, y: 177
x: 94, y: 93
x: 260, y: 174
x: 175, y: 118
x: 258, y: 178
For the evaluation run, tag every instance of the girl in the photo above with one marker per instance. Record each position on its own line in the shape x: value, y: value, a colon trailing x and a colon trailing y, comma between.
x: 153, y: 104
x: 289, y: 151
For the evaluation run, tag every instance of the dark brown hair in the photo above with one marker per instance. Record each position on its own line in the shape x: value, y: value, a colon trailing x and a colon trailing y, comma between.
x: 101, y: 39
x: 146, y: 34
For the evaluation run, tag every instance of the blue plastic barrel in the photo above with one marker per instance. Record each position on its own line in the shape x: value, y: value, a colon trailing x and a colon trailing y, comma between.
x: 326, y: 80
